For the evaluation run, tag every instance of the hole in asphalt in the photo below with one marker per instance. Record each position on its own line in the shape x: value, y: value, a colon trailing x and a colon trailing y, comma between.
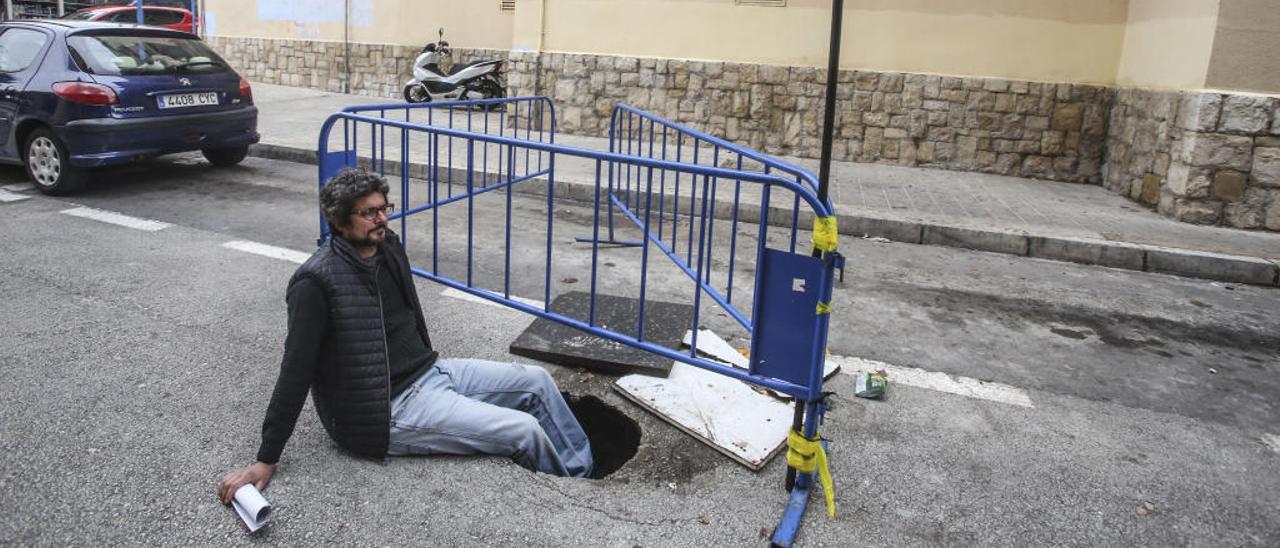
x: 614, y: 436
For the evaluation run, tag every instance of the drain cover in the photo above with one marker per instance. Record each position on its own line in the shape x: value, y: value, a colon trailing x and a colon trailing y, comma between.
x: 550, y: 341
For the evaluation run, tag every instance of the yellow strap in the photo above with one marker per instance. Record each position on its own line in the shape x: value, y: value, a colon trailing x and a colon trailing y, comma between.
x: 807, y: 455
x: 824, y: 308
x: 825, y: 234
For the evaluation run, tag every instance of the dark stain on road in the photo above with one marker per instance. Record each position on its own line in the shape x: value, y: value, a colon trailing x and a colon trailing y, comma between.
x: 1069, y: 333
x: 1126, y: 331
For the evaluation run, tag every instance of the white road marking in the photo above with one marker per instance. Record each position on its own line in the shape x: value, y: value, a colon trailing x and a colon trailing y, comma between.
x: 6, y: 197
x: 114, y: 218
x: 941, y: 382
x: 463, y: 295
x: 20, y: 187
x: 1272, y: 441
x: 271, y: 251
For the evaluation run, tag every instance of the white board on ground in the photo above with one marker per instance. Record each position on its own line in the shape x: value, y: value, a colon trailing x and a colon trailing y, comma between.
x: 710, y: 344
x: 724, y: 413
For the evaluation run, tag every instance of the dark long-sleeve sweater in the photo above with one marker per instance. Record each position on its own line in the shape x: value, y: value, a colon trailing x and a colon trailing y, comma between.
x: 408, y: 356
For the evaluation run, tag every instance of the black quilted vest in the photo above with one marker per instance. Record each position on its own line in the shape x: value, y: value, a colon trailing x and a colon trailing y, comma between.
x: 352, y: 389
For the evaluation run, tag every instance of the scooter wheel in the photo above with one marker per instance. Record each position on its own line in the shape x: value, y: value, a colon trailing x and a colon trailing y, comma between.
x: 415, y: 93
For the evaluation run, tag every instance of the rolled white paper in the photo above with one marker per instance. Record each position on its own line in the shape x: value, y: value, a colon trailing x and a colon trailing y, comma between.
x: 252, y: 507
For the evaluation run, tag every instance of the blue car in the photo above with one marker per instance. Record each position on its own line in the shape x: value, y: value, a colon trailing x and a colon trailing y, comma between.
x: 80, y: 95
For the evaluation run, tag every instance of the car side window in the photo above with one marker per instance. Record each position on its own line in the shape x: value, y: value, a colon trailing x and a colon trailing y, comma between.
x: 161, y: 17
x: 126, y: 17
x: 19, y: 48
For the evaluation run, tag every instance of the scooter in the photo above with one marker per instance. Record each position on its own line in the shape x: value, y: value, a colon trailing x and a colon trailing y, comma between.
x: 476, y: 80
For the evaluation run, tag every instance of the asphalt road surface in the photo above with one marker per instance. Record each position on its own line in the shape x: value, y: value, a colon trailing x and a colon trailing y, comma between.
x: 1041, y: 403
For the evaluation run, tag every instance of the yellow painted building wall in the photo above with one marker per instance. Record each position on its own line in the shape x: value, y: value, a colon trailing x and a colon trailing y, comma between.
x: 1246, y: 47
x: 1168, y: 43
x: 1163, y: 44
x: 467, y: 23
x: 1054, y: 40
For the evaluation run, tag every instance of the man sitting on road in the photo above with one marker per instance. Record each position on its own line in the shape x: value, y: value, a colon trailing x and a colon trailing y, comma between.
x: 358, y: 341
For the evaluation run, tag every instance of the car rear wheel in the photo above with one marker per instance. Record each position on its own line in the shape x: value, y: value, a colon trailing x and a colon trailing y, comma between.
x: 224, y: 157
x: 49, y: 164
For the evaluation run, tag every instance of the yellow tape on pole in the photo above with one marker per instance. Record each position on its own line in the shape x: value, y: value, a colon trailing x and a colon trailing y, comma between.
x: 825, y: 233
x: 807, y: 455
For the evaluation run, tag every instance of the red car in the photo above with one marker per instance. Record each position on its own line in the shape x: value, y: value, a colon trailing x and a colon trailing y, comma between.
x: 155, y: 16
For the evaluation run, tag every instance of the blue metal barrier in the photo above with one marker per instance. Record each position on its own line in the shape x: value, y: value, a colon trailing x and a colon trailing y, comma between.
x: 660, y: 181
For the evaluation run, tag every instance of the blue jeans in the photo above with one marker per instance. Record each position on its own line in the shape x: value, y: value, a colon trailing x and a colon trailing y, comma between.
x: 467, y: 407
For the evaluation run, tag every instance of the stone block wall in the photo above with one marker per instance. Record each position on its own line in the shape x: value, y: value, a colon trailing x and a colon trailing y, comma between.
x: 1031, y: 129
x: 1140, y: 139
x: 378, y: 70
x: 1199, y: 157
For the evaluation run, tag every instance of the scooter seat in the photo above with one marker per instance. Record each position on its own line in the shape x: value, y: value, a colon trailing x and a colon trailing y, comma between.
x: 459, y: 68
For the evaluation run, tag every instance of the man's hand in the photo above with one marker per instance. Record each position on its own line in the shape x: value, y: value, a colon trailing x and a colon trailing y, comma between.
x: 259, y: 474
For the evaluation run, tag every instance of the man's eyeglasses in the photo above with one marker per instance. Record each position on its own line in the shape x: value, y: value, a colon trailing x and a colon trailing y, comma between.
x: 371, y: 213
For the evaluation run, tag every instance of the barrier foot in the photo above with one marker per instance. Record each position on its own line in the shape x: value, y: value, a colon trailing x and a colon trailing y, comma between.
x: 611, y: 241
x: 785, y: 534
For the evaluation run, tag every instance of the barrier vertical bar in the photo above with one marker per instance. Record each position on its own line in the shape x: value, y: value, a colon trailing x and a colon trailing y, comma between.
x: 435, y: 201
x: 470, y: 162
x: 662, y: 186
x: 697, y: 282
x: 542, y: 107
x: 650, y: 171
x: 449, y: 172
x: 675, y: 206
x: 506, y: 284
x: 550, y: 136
x: 595, y: 246
x: 373, y: 150
x: 795, y: 222
x: 551, y: 197
x: 485, y: 169
x: 693, y: 202
x: 404, y: 181
x: 471, y: 206
x: 762, y: 240
x: 644, y: 254
x: 711, y: 225
x: 624, y: 172
x: 733, y: 231
x: 613, y: 147
x: 515, y: 132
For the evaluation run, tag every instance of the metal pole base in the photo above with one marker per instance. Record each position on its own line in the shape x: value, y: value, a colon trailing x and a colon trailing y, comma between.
x: 785, y: 534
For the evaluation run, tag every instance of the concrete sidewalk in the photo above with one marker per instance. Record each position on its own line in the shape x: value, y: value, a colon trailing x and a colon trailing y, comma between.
x: 1026, y: 217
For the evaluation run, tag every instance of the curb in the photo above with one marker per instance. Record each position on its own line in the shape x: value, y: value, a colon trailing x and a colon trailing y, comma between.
x: 1123, y: 255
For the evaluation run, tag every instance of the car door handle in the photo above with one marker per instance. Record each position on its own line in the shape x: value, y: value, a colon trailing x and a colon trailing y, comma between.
x: 9, y: 92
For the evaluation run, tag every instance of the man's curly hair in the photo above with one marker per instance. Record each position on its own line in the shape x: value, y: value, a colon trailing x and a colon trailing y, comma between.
x: 339, y: 194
